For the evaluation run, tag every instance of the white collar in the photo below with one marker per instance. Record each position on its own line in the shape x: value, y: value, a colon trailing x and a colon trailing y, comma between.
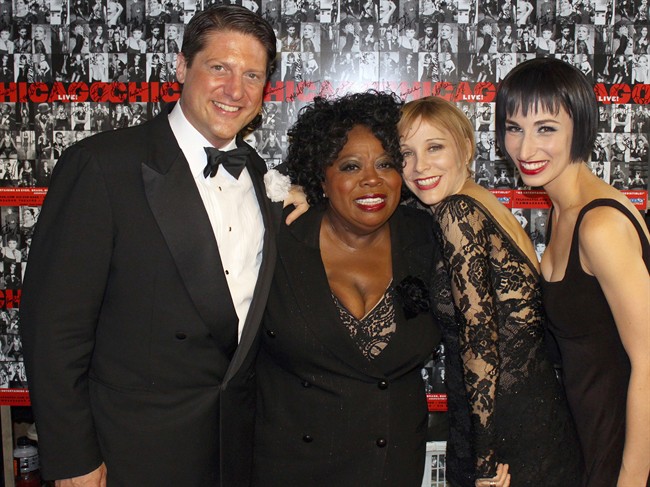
x: 191, y: 141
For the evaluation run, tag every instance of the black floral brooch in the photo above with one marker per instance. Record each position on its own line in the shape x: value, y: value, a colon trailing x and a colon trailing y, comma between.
x: 414, y: 295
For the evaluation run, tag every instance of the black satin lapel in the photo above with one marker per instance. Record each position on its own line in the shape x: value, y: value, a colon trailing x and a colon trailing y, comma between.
x: 184, y: 223
x: 306, y: 275
x: 271, y: 212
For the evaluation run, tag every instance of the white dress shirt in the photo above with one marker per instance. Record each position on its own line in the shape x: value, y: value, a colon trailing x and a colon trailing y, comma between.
x: 233, y: 210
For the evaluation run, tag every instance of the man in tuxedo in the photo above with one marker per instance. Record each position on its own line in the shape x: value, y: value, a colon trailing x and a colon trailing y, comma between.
x: 388, y: 42
x: 58, y: 146
x: 147, y: 280
x: 137, y: 72
x: 526, y: 44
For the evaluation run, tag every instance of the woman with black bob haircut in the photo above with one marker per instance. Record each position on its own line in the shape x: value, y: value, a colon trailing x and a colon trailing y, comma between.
x: 347, y: 326
x: 547, y: 84
x: 595, y: 270
x: 316, y: 140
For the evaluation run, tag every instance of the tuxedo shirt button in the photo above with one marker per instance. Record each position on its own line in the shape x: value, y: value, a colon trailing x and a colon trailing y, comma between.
x: 382, y: 384
x: 180, y: 335
x: 270, y: 333
x: 307, y: 438
x: 381, y: 442
x: 227, y: 272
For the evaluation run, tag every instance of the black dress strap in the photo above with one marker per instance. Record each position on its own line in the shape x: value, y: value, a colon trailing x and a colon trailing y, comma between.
x: 574, y: 260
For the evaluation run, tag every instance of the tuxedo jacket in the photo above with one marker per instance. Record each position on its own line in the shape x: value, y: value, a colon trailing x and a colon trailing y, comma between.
x: 327, y: 416
x: 124, y: 318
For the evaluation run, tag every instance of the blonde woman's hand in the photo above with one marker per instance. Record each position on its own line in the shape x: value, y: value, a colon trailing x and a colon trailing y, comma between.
x: 501, y: 479
x: 298, y: 199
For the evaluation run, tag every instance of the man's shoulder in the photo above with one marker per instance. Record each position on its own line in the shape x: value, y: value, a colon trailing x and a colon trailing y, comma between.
x: 127, y: 141
x: 118, y: 154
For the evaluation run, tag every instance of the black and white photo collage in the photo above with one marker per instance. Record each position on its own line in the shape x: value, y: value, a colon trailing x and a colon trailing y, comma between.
x: 81, y: 42
x: 16, y: 227
x: 344, y: 42
x: 366, y: 41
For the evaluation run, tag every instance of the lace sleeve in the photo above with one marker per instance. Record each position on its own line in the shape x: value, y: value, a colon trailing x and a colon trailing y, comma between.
x: 466, y: 252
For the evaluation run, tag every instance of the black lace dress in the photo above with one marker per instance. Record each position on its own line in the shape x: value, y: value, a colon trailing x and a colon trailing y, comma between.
x: 373, y: 332
x: 505, y: 404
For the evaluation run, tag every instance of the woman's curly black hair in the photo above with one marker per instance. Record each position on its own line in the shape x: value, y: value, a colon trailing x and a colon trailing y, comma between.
x: 322, y: 130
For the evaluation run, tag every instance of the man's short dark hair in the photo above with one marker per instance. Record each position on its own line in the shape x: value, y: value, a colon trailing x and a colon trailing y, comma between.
x: 224, y: 18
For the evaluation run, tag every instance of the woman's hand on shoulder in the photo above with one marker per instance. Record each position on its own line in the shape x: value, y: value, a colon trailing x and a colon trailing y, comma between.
x: 298, y: 199
x: 501, y: 479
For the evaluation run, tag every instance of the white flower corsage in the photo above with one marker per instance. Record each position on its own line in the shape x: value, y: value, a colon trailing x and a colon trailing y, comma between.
x: 277, y: 185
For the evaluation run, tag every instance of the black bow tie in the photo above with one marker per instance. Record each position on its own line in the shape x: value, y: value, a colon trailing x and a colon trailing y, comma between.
x: 233, y: 160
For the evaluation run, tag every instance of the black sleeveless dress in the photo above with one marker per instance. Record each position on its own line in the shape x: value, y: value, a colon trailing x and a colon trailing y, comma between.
x: 596, y: 369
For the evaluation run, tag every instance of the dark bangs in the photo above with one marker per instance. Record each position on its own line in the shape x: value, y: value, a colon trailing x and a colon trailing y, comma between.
x: 550, y: 84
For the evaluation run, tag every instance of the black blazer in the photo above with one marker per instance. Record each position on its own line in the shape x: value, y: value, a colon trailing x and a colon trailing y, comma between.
x: 124, y: 312
x: 326, y: 415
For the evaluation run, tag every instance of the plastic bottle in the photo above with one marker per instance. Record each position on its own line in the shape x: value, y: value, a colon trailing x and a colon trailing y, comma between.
x: 26, y: 464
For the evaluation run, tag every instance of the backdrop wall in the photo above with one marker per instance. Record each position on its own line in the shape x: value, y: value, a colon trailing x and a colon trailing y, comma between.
x: 68, y: 70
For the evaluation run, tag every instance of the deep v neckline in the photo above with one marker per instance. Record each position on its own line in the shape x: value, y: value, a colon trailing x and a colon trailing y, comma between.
x: 381, y: 299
